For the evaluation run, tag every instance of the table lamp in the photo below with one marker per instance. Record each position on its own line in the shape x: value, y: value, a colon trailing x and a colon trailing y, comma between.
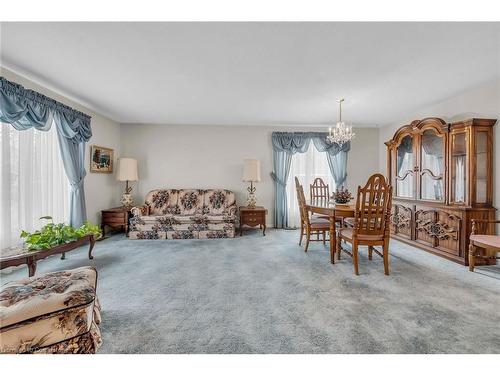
x: 251, y: 173
x: 127, y: 171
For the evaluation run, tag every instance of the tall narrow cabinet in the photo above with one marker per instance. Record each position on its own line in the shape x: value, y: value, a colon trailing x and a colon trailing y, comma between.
x: 442, y: 178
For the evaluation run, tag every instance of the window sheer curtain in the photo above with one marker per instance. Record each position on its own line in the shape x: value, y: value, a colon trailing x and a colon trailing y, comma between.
x: 33, y: 181
x: 24, y: 109
x: 286, y: 145
x: 306, y: 166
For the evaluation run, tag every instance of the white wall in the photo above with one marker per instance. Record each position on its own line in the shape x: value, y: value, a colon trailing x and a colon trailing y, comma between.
x: 101, y: 190
x: 482, y: 101
x: 201, y: 156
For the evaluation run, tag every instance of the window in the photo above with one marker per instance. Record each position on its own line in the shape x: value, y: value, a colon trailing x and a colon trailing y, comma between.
x: 33, y: 182
x: 306, y: 167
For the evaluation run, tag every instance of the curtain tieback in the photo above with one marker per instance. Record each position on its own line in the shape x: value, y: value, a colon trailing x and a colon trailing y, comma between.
x: 76, y: 185
x: 277, y: 180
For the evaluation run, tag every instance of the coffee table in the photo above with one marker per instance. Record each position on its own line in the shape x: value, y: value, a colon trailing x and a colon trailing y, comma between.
x: 16, y: 256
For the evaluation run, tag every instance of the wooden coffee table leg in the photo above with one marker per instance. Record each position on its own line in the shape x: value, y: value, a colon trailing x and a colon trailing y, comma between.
x: 91, y: 246
x: 31, y: 266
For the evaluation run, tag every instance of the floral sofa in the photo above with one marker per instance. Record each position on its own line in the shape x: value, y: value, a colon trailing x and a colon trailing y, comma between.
x: 185, y: 213
x: 57, y: 312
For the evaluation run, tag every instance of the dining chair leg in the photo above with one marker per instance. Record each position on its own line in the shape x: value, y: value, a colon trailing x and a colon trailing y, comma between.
x: 355, y: 257
x: 308, y: 236
x: 301, y: 234
x: 339, y: 246
x: 386, y: 257
x: 472, y: 257
x: 370, y: 252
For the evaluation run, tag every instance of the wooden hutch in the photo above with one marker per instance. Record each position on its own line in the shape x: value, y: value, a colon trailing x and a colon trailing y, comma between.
x: 442, y: 177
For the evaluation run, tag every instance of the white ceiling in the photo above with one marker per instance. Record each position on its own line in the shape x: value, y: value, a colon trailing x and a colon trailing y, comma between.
x: 255, y: 73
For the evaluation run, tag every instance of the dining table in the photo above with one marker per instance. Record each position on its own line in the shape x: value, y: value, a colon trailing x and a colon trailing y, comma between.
x: 332, y: 210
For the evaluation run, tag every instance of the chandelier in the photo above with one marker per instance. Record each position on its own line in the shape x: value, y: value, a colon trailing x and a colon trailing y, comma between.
x: 341, y: 133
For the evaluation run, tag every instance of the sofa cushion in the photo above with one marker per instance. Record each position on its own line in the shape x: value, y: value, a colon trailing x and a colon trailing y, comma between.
x: 217, y: 201
x: 185, y: 218
x: 163, y: 201
x: 191, y: 201
x: 220, y: 218
x: 38, y: 312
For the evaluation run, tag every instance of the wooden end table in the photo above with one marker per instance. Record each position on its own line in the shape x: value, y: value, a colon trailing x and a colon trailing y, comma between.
x: 17, y: 256
x: 253, y: 216
x: 115, y: 217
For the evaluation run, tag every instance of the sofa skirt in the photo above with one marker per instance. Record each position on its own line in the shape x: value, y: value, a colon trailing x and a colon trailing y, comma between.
x: 181, y: 234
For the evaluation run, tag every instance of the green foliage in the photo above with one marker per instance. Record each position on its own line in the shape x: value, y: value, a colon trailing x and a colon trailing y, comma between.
x: 56, y: 234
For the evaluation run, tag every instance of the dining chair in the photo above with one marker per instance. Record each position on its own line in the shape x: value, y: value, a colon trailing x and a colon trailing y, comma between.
x: 309, y: 225
x: 319, y: 190
x: 371, y: 222
x: 489, y: 243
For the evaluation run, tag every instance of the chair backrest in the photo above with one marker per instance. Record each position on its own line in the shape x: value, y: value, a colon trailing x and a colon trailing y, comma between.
x: 304, y: 217
x: 319, y: 190
x: 373, y: 207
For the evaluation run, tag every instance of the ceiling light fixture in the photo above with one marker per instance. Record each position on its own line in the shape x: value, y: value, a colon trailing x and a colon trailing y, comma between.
x: 341, y: 133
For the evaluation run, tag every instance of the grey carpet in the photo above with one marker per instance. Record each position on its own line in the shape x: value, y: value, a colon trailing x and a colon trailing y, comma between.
x: 259, y: 294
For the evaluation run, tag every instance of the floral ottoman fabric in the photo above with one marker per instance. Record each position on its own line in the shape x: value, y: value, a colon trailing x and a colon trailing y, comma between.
x: 57, y: 312
x: 185, y: 214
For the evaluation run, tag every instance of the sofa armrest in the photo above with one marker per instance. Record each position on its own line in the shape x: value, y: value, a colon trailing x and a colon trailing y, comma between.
x: 231, y: 210
x: 140, y: 210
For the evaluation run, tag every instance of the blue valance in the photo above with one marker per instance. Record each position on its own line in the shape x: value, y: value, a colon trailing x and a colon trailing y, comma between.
x: 24, y: 109
x: 298, y: 142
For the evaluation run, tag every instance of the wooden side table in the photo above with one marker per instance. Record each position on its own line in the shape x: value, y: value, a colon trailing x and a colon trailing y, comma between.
x: 253, y: 216
x: 115, y: 217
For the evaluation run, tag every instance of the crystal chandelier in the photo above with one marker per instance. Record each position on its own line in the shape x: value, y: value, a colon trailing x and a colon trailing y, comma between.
x: 341, y: 133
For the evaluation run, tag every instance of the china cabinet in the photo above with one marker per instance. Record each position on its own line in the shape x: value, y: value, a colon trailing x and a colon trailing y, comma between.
x: 441, y: 175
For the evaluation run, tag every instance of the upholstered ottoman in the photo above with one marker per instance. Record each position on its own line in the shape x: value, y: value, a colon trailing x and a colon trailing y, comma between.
x: 57, y: 312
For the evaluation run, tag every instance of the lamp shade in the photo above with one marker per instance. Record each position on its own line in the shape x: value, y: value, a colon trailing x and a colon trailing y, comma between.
x: 251, y: 170
x: 127, y: 170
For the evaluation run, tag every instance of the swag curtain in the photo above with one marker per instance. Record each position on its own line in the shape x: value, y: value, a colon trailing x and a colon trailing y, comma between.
x: 25, y: 109
x: 285, y: 145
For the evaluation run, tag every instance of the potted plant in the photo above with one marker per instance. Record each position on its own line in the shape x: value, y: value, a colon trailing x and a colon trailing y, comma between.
x: 342, y: 196
x: 52, y: 235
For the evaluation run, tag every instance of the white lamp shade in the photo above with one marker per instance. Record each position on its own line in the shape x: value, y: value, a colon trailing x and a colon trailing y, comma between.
x: 127, y: 170
x: 251, y: 170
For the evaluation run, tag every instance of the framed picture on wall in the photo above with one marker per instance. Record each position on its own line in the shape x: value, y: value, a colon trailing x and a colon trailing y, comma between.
x: 101, y: 159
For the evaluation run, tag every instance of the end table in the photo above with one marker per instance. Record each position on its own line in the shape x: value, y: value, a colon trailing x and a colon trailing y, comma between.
x: 253, y: 216
x: 115, y: 217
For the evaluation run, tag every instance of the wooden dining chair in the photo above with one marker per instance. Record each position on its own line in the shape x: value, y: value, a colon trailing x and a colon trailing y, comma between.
x: 482, y: 243
x: 309, y: 225
x: 371, y: 222
x: 319, y: 190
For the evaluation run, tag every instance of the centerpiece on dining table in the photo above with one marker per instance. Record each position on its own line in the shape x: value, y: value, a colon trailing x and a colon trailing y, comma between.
x: 342, y: 196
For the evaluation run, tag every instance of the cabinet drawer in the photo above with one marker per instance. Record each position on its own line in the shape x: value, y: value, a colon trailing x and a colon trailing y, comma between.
x: 251, y: 213
x: 113, y: 215
x: 114, y: 221
x: 251, y: 219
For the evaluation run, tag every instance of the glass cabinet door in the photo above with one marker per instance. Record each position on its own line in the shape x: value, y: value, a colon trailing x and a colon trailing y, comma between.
x: 404, y: 168
x: 458, y: 169
x: 432, y: 166
x: 481, y: 166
